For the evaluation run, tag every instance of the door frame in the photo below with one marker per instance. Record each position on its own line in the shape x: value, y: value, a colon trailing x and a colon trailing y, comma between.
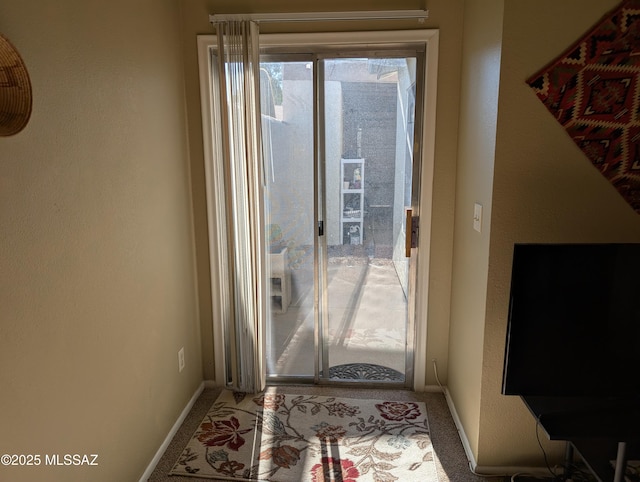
x: 428, y: 39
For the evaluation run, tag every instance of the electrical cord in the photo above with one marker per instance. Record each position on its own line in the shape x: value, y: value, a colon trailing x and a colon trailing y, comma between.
x: 528, y: 476
x: 544, y: 453
x: 435, y: 372
x: 578, y: 474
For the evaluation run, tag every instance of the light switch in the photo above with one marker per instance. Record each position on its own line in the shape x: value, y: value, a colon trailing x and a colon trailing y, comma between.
x: 477, y: 217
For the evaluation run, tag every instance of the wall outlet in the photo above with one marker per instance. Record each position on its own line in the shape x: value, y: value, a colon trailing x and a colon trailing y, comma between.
x: 181, y: 359
x: 477, y: 217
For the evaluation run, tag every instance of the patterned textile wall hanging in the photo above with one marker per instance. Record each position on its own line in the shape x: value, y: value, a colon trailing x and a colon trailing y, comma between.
x: 593, y: 91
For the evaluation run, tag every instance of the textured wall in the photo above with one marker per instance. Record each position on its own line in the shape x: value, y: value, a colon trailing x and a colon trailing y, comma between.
x: 97, y: 286
x: 544, y: 190
x: 474, y: 182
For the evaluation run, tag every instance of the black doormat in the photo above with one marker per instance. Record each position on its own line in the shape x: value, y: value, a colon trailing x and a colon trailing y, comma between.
x: 365, y: 371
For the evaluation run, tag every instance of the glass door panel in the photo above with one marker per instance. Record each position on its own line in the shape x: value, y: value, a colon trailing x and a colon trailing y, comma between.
x: 287, y: 123
x: 368, y: 134
x: 340, y: 295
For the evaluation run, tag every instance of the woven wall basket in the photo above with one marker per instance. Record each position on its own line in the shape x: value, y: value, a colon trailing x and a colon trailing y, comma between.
x: 15, y: 90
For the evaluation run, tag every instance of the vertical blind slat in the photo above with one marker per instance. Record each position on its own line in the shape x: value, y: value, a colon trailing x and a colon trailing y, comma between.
x: 239, y: 71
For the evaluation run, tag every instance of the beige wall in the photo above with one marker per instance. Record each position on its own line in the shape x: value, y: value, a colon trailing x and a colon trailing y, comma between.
x: 103, y: 215
x: 443, y: 14
x: 477, y: 133
x: 97, y: 286
x: 544, y: 190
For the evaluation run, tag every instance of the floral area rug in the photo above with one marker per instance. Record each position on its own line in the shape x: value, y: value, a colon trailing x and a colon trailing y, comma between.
x: 593, y: 91
x: 281, y: 437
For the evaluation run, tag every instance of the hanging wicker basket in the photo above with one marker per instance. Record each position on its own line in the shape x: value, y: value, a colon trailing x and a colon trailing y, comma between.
x: 15, y: 90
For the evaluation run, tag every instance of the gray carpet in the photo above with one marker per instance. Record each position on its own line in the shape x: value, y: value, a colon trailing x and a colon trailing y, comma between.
x: 450, y: 457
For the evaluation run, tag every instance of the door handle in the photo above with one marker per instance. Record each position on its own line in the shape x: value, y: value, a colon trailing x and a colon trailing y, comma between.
x: 411, y: 235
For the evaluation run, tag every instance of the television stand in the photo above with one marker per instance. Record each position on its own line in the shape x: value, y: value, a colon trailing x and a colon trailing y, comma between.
x: 599, y: 429
x: 597, y: 456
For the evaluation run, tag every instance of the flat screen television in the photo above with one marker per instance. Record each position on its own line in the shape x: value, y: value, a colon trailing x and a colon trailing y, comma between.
x: 574, y: 321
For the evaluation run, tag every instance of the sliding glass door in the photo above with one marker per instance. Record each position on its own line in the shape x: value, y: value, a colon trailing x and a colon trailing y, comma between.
x: 339, y: 137
x: 288, y: 133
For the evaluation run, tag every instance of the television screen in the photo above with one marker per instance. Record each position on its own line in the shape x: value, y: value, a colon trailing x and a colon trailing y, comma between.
x: 574, y: 321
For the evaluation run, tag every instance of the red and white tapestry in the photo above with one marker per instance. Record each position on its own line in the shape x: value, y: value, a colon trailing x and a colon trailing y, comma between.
x: 593, y: 91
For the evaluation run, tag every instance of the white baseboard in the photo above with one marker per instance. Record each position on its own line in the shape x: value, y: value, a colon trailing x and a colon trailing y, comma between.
x: 432, y: 389
x: 463, y: 436
x: 210, y: 384
x: 508, y: 471
x: 486, y: 470
x: 152, y: 465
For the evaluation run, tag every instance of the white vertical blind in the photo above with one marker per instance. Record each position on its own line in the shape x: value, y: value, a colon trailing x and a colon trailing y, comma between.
x: 239, y: 71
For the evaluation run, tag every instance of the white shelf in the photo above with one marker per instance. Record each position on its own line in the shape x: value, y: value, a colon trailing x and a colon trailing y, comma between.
x: 280, y: 274
x: 352, y: 200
